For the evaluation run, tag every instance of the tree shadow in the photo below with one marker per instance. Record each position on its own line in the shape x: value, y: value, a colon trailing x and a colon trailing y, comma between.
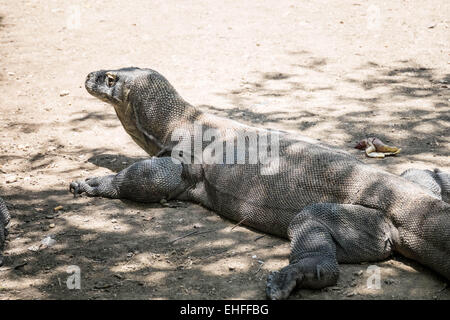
x: 114, y: 162
x: 406, y: 104
x: 140, y: 258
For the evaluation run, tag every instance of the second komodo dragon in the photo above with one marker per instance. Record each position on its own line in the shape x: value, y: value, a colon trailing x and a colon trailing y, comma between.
x: 332, y: 207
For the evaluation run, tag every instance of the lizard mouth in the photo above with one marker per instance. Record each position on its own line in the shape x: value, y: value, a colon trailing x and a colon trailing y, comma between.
x: 90, y: 83
x: 95, y: 88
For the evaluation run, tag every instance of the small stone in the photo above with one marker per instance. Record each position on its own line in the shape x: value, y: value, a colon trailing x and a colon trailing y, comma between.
x: 113, y: 221
x: 34, y: 248
x: 231, y: 268
x: 58, y: 208
x: 52, y: 225
x: 48, y: 241
x: 64, y: 93
x: 11, y: 74
x: 335, y: 288
x: 11, y: 178
x: 100, y: 285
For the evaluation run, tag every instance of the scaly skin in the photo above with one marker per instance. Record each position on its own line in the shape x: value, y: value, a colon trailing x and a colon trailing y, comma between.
x: 332, y: 207
x: 4, y: 220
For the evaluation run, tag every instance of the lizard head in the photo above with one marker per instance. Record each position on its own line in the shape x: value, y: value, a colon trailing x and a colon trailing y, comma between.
x: 114, y: 86
x: 143, y: 99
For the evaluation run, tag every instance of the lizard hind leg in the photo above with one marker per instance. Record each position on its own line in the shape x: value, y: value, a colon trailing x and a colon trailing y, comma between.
x: 324, y: 234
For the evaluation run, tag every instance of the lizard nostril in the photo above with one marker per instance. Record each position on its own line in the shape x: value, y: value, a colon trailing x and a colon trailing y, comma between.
x: 90, y: 80
x: 92, y: 76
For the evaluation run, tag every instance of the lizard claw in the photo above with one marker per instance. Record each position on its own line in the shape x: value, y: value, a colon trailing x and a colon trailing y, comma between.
x: 92, y: 187
x: 281, y: 283
x: 74, y: 188
x: 87, y: 186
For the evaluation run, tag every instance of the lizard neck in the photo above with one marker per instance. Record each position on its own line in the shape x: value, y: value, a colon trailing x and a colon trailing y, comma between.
x: 150, y: 117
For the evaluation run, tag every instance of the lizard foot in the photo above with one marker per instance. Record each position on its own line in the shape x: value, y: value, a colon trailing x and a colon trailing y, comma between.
x: 313, y: 273
x: 90, y: 187
x: 281, y: 283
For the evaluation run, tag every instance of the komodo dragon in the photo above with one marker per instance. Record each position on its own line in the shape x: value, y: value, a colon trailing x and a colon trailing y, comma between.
x: 332, y: 207
x: 4, y: 220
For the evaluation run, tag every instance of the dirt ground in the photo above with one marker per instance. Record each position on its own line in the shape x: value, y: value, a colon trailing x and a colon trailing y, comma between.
x: 334, y: 70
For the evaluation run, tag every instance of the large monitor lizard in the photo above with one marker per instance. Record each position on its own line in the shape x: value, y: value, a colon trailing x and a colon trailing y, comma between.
x: 333, y: 207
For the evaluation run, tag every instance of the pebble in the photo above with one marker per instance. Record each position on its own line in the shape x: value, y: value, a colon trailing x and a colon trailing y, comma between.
x: 56, y: 209
x: 64, y: 93
x: 48, y: 241
x: 52, y: 225
x: 358, y: 273
x: 335, y: 288
x: 34, y: 248
x: 11, y: 178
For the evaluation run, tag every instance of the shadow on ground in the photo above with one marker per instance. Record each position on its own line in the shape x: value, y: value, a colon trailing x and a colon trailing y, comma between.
x: 150, y: 250
x: 417, y: 116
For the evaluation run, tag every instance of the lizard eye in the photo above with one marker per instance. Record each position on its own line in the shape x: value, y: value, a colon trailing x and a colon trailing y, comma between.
x: 110, y: 79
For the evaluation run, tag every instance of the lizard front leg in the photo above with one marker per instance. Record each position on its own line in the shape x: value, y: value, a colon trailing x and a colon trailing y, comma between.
x: 144, y: 181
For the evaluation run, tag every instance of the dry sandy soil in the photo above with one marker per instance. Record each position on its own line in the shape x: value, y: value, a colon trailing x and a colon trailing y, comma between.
x: 333, y: 70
